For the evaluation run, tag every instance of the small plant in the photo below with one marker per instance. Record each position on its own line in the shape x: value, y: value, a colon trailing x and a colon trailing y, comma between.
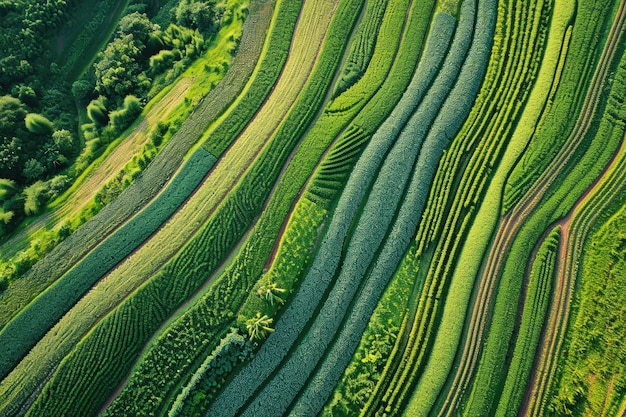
x: 259, y: 327
x: 269, y: 292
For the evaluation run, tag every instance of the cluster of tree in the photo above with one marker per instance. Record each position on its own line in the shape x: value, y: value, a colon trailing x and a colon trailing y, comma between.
x: 40, y: 153
x: 140, y: 52
x: 24, y: 28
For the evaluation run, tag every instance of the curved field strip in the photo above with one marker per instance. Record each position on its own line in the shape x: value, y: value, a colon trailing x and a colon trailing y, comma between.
x: 575, y: 229
x: 246, y: 263
x: 479, y: 234
x: 485, y: 223
x: 154, y: 177
x: 468, y: 191
x: 160, y: 294
x: 320, y: 274
x: 515, y: 224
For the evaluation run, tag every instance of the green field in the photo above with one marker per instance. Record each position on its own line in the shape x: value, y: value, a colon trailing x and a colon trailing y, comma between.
x: 313, y: 207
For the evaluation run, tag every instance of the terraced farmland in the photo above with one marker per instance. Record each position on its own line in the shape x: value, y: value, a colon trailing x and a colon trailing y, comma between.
x: 379, y: 208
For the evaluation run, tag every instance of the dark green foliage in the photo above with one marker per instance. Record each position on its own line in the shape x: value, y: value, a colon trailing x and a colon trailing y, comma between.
x: 32, y: 322
x: 196, y: 14
x: 12, y: 114
x: 118, y: 71
x: 64, y: 141
x: 123, y: 117
x: 33, y: 169
x: 38, y: 124
x: 35, y: 196
x: 97, y: 112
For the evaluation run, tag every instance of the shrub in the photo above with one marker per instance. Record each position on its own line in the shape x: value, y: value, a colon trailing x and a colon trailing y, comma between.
x: 38, y: 124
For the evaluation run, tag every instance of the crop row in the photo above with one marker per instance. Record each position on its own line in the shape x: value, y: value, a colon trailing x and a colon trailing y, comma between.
x: 403, y: 20
x: 473, y: 65
x: 568, y: 101
x: 321, y: 274
x: 536, y: 299
x: 479, y: 235
x: 592, y: 225
x: 145, y: 186
x: 258, y: 180
x: 223, y: 132
x: 18, y: 337
x: 579, y: 222
x: 443, y: 128
x: 329, y: 125
x: 362, y: 47
x: 380, y: 210
x: 327, y: 259
x: 444, y: 183
x: 557, y: 189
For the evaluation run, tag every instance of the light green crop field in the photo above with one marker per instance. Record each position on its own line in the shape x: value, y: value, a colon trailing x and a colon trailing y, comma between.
x: 334, y: 208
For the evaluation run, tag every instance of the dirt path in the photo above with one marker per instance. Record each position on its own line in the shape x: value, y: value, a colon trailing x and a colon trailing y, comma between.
x: 107, y: 170
x: 512, y: 222
x: 544, y: 365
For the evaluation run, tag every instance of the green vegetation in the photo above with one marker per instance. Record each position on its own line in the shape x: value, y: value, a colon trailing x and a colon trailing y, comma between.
x: 593, y: 375
x: 581, y: 162
x: 320, y: 207
x: 34, y: 320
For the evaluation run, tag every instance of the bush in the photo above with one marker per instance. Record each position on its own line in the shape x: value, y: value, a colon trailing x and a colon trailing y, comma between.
x: 38, y: 124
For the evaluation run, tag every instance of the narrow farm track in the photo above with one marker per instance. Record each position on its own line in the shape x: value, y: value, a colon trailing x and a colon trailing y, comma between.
x: 574, y: 230
x: 514, y: 219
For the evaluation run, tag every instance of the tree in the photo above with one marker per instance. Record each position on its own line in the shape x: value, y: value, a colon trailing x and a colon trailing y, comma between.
x: 10, y: 150
x: 139, y: 26
x: 118, y: 68
x: 195, y: 15
x: 64, y: 141
x: 38, y: 124
x: 97, y: 112
x: 12, y: 113
x: 35, y: 197
x: 33, y: 169
x: 8, y: 188
x: 259, y: 327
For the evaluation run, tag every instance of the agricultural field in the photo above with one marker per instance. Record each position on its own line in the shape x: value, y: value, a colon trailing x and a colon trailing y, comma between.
x: 313, y: 208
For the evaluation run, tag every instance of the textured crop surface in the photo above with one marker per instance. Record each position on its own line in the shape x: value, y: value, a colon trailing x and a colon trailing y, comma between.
x: 362, y: 208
